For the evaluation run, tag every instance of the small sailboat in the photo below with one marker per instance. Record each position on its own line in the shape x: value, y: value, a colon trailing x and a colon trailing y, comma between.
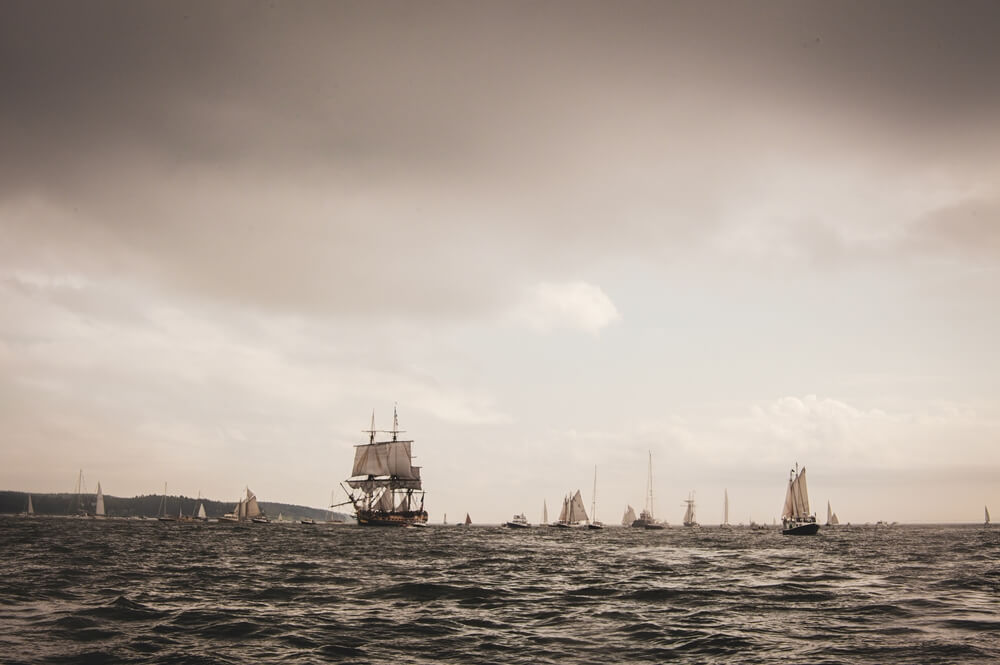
x: 985, y: 509
x: 646, y: 519
x: 594, y: 523
x: 795, y: 517
x: 468, y: 520
x: 99, y: 509
x: 162, y: 512
x: 573, y: 513
x: 31, y: 510
x: 545, y: 512
x: 629, y: 516
x: 200, y: 514
x: 725, y: 510
x: 689, y: 519
x: 831, y: 517
x: 445, y: 521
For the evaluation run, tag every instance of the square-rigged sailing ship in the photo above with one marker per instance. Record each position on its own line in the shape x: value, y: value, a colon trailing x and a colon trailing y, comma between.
x: 384, y: 481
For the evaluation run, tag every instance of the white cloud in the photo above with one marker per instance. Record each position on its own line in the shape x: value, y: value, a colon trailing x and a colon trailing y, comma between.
x: 569, y: 305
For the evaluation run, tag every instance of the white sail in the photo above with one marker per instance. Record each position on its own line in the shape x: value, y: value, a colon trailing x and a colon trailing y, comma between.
x: 829, y: 513
x: 577, y: 513
x: 725, y: 506
x: 201, y: 511
x: 252, y: 509
x: 99, y: 510
x: 241, y: 510
x: 788, y: 511
x: 564, y: 513
x: 629, y: 516
x: 545, y: 512
x: 385, y: 502
x: 387, y: 458
x: 834, y: 519
x: 802, y: 494
x: 985, y: 508
x: 689, y: 512
x: 31, y: 509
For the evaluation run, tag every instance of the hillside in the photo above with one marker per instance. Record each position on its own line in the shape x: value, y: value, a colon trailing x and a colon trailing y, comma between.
x: 147, y: 505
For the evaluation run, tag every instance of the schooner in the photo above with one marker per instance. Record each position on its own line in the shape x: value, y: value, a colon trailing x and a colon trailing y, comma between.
x: 386, y: 481
x: 795, y: 517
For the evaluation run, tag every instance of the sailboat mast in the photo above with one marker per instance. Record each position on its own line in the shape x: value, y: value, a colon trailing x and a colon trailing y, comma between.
x: 649, y: 485
x: 593, y: 498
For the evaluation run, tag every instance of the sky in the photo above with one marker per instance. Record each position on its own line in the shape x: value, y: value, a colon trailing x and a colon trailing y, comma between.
x: 560, y: 236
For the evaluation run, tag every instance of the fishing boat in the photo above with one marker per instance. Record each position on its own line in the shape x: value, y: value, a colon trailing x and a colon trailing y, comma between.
x: 831, y: 517
x: 689, y: 519
x: 795, y: 517
x: 629, y: 516
x: 385, y: 480
x: 725, y: 510
x: 573, y: 514
x: 99, y: 504
x: 594, y: 523
x: 518, y: 522
x: 161, y: 514
x: 646, y: 519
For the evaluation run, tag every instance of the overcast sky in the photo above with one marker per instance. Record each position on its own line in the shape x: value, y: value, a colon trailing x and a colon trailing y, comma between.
x: 739, y: 235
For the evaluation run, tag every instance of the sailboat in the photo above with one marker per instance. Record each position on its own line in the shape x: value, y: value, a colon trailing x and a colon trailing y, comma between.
x: 985, y: 509
x: 386, y: 480
x: 629, y: 516
x: 573, y: 513
x: 31, y: 510
x: 162, y: 512
x: 99, y: 509
x: 795, y: 517
x: 545, y: 512
x: 725, y: 510
x: 831, y: 517
x: 594, y: 524
x: 646, y: 519
x: 199, y: 514
x: 76, y: 506
x: 468, y: 520
x: 689, y: 519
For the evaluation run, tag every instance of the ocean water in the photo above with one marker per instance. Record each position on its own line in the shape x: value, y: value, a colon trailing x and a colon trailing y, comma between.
x: 87, y: 591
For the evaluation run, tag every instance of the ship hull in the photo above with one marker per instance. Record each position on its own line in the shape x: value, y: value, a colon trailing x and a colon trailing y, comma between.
x: 807, y: 529
x: 379, y: 518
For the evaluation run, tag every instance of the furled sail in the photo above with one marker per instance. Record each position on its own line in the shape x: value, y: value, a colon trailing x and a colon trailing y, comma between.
x: 629, y: 516
x: 99, y: 510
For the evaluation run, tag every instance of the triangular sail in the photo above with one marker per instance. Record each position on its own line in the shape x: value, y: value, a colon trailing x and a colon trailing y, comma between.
x: 99, y: 510
x: 577, y: 512
x: 829, y: 513
x: 31, y: 509
x: 564, y: 513
x: 985, y: 508
x: 468, y: 520
x: 725, y: 506
x: 201, y: 511
x: 545, y: 512
x: 629, y: 516
x: 834, y: 519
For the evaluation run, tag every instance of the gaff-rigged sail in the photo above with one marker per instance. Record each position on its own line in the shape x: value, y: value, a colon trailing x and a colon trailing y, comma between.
x: 796, y: 497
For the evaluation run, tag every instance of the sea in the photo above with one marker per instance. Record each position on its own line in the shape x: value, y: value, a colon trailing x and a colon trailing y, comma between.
x: 110, y: 591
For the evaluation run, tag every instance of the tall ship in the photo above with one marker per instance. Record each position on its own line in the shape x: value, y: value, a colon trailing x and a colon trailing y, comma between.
x: 795, y: 517
x: 689, y: 518
x: 385, y: 486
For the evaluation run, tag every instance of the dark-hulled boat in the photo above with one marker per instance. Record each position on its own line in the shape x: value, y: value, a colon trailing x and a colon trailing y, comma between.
x: 795, y: 517
x: 385, y: 486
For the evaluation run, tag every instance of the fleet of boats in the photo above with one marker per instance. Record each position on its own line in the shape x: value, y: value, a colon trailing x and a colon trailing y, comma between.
x: 386, y: 490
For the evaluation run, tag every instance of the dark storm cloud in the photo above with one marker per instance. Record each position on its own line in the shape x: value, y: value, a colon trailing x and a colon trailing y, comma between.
x: 336, y: 152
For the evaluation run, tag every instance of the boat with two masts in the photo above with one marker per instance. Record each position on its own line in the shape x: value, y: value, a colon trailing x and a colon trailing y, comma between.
x: 573, y: 514
x: 689, y: 518
x: 795, y: 517
x: 246, y: 510
x: 385, y: 486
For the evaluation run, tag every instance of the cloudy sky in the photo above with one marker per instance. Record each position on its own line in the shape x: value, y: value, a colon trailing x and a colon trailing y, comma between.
x: 559, y: 235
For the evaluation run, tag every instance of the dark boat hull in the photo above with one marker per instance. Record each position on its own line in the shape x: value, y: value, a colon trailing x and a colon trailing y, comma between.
x: 380, y: 518
x: 517, y: 525
x: 809, y: 529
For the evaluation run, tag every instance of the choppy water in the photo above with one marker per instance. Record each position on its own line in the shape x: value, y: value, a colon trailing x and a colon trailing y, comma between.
x: 84, y: 591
